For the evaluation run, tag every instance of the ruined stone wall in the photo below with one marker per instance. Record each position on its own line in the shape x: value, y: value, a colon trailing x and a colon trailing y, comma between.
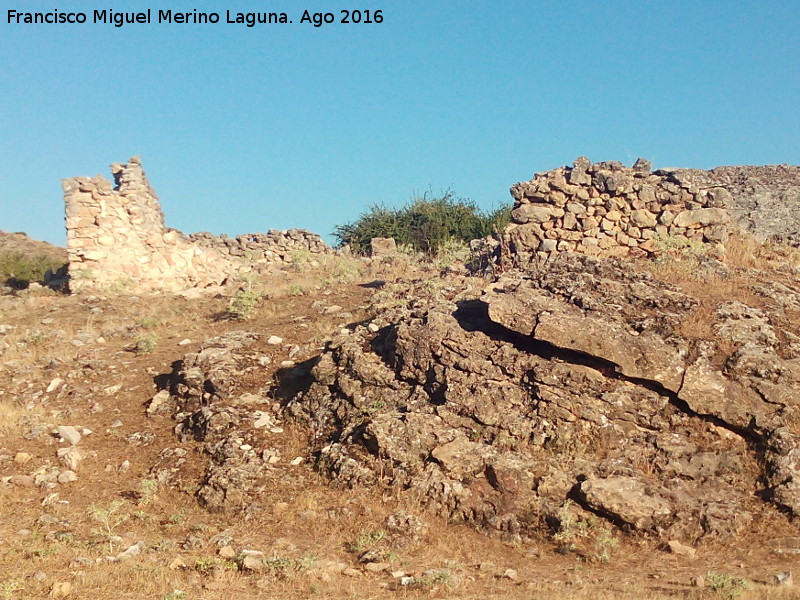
x: 765, y: 200
x: 116, y: 239
x: 607, y: 209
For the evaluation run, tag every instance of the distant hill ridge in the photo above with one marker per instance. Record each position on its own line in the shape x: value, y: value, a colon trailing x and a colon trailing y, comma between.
x: 20, y: 241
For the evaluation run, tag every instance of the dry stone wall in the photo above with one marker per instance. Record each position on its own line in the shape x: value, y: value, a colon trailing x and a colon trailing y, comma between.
x: 116, y: 239
x: 607, y: 209
x: 765, y: 200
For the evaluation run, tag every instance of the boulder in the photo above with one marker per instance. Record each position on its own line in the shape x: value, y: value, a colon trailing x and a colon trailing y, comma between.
x: 627, y: 500
x: 701, y: 217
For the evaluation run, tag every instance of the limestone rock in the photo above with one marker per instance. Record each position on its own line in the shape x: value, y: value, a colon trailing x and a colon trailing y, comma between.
x: 642, y: 166
x: 643, y: 218
x: 467, y: 402
x: 69, y: 434
x: 629, y: 500
x: 532, y: 213
x: 681, y: 549
x: 701, y: 216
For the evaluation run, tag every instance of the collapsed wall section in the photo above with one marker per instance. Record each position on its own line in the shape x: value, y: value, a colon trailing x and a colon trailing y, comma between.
x: 607, y: 209
x: 116, y: 239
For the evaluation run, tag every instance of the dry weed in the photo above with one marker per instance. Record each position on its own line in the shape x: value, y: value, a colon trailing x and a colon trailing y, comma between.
x: 745, y: 252
x: 11, y: 413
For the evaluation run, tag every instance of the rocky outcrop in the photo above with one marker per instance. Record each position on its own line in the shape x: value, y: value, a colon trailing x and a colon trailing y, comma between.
x: 116, y: 239
x: 570, y: 383
x: 607, y: 209
x: 232, y: 427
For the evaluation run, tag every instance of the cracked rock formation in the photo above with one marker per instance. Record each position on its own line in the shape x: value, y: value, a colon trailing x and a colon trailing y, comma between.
x: 576, y: 382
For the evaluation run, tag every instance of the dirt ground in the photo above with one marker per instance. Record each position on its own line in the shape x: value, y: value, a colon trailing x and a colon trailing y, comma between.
x: 73, y: 360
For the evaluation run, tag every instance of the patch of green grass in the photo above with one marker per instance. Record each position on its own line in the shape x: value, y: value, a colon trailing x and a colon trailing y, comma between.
x: 726, y: 586
x: 178, y: 518
x: 301, y: 260
x: 149, y: 323
x: 147, y: 490
x: 108, y: 518
x: 244, y: 303
x: 206, y: 565
x: 10, y: 587
x: 283, y: 566
x: 452, y: 251
x: 295, y: 290
x: 672, y: 246
x: 439, y: 577
x: 366, y: 540
x: 605, y: 542
x: 588, y: 535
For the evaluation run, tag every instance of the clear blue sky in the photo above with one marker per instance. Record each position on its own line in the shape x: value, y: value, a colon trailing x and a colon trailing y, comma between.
x: 276, y: 126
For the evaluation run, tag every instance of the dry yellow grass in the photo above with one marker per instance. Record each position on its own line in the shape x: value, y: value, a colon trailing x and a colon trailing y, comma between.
x: 745, y: 252
x: 749, y: 264
x: 11, y: 413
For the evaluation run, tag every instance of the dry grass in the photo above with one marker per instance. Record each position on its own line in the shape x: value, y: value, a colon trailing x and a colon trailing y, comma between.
x: 11, y: 413
x: 749, y: 265
x: 745, y: 252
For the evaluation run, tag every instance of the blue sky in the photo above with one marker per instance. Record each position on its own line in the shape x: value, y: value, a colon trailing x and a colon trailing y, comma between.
x: 276, y: 126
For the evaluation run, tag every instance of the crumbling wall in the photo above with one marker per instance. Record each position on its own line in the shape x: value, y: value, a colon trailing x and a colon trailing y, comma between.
x: 765, y: 200
x: 607, y: 209
x: 116, y: 239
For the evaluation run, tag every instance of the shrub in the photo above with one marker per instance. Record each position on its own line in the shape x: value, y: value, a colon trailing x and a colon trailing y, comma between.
x: 146, y: 343
x: 426, y: 223
x: 148, y: 322
x: 244, y: 303
x: 19, y: 269
x: 726, y: 586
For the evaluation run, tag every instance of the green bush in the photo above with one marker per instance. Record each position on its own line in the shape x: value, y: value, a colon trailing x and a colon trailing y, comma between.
x: 726, y: 586
x: 146, y: 343
x: 19, y: 268
x: 426, y: 223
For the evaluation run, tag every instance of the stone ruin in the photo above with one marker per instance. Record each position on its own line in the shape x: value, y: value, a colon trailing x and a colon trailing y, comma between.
x: 116, y: 237
x: 116, y: 240
x: 606, y: 209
